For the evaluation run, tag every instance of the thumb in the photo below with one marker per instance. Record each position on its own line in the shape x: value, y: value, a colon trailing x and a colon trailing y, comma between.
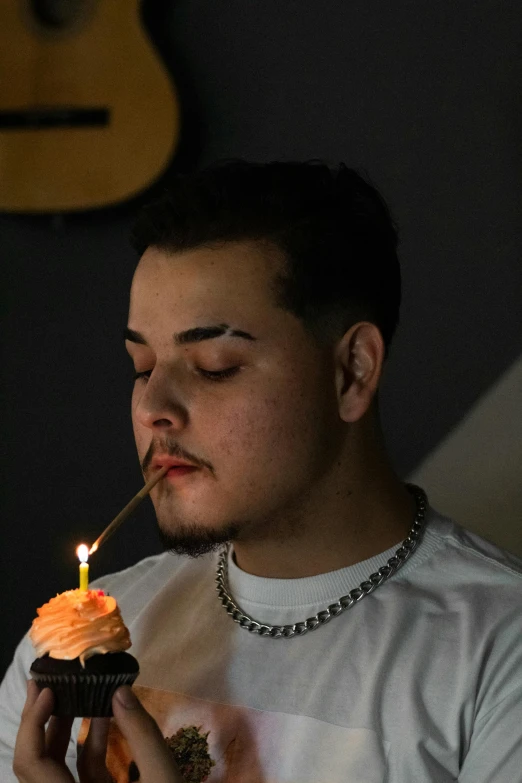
x: 149, y: 749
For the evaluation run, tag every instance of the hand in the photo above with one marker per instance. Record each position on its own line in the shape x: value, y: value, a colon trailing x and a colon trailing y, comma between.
x: 40, y: 755
x: 150, y: 751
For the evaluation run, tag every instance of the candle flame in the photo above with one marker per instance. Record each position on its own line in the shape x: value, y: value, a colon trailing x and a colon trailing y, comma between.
x: 83, y: 553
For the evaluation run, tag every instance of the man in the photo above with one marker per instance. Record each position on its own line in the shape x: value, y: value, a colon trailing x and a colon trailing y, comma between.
x: 261, y: 314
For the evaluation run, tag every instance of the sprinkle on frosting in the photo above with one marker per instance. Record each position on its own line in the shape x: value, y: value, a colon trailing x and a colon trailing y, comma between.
x: 79, y: 624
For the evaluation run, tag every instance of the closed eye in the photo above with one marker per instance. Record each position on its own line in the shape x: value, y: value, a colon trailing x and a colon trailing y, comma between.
x: 144, y: 374
x: 218, y: 375
x: 211, y: 375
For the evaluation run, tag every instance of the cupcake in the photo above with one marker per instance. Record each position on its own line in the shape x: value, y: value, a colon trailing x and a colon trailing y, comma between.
x: 80, y: 638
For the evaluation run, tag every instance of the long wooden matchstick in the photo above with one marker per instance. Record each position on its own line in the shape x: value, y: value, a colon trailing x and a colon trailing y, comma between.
x: 129, y: 508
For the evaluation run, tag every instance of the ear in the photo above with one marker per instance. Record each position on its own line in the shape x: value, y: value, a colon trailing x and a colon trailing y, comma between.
x: 359, y: 357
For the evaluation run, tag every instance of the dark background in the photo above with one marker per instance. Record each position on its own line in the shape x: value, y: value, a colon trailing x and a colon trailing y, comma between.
x: 423, y: 98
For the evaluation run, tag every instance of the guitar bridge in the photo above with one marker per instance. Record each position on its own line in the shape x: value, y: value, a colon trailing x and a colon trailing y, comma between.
x: 59, y: 117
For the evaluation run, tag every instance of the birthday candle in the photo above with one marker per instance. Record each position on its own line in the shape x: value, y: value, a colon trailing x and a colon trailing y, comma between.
x: 83, y: 554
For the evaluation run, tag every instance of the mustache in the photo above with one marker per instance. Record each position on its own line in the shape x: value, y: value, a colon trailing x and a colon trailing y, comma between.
x: 173, y: 450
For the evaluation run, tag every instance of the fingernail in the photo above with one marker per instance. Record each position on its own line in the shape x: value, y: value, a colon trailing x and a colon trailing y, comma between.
x: 126, y: 697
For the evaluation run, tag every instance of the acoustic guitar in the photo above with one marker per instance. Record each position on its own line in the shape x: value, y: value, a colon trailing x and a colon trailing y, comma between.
x: 88, y: 114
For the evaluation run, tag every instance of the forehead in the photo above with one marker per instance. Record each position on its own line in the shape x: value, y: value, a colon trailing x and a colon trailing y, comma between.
x: 233, y: 279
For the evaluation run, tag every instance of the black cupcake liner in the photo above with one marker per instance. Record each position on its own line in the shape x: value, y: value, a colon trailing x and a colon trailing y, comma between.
x: 83, y: 695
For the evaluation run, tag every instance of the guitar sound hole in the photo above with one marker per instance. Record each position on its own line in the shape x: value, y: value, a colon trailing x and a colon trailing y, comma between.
x: 57, y: 13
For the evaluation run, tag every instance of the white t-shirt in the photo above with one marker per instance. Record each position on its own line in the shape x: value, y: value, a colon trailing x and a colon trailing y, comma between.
x: 419, y: 682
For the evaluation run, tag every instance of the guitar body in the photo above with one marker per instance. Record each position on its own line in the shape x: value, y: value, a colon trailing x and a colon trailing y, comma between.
x: 88, y: 115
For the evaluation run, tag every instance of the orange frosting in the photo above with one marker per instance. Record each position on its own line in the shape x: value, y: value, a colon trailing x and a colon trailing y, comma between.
x: 78, y: 624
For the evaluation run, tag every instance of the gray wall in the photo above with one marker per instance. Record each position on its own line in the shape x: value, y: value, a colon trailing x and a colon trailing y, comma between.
x: 422, y: 97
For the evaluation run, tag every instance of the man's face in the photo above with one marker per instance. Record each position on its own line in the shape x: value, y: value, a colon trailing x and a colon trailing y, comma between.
x: 263, y: 434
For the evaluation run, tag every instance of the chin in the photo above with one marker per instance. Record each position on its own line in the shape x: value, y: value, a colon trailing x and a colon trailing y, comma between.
x: 195, y: 541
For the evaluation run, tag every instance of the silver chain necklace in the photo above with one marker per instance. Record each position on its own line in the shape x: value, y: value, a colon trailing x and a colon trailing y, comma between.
x: 402, y: 554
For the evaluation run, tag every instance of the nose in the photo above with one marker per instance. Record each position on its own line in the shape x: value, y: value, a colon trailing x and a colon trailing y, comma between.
x: 158, y: 404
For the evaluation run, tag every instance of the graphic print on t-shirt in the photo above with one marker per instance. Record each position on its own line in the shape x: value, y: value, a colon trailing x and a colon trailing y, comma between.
x: 227, y: 743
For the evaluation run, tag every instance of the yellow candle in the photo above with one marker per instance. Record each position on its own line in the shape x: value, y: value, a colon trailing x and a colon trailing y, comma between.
x: 83, y: 553
x: 84, y: 576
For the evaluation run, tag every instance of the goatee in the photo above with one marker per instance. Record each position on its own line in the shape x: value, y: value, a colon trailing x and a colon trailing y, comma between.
x: 195, y: 542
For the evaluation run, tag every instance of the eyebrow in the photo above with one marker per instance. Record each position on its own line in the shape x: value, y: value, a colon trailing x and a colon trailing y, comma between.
x: 195, y: 335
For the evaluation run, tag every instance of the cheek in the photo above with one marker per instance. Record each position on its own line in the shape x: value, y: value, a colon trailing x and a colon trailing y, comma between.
x: 142, y: 435
x: 266, y: 429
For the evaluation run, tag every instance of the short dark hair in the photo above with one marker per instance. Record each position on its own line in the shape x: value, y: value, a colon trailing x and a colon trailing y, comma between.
x: 333, y: 228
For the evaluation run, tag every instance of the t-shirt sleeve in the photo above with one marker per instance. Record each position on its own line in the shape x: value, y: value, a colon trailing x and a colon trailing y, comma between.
x: 13, y: 691
x: 495, y: 752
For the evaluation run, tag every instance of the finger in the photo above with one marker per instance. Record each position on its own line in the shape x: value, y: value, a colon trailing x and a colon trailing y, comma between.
x: 150, y: 751
x: 57, y: 737
x: 30, y: 740
x: 91, y: 762
x: 37, y: 711
x: 96, y: 740
x: 33, y: 691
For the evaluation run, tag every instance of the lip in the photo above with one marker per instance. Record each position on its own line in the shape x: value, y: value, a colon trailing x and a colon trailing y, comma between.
x: 178, y: 471
x: 172, y: 462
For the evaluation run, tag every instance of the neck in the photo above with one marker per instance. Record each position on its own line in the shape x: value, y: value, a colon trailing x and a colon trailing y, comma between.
x: 358, y: 510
